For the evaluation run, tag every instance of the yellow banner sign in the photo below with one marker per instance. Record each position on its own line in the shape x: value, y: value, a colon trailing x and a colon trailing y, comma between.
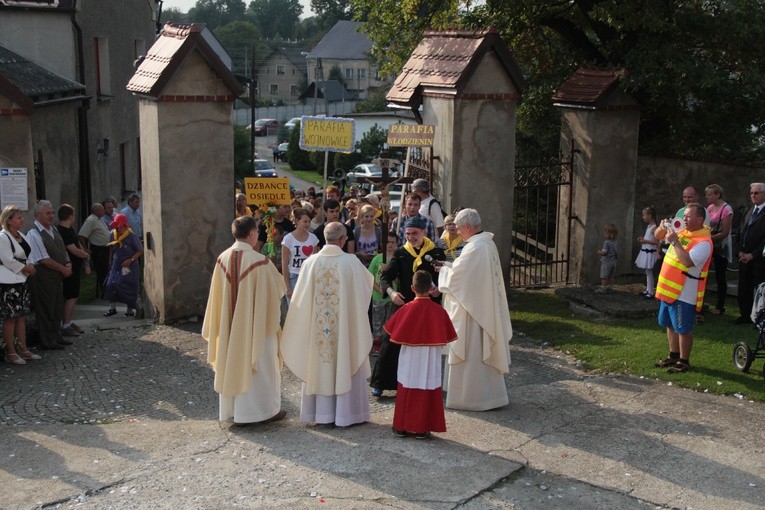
x: 267, y: 190
x: 406, y: 135
x: 327, y: 134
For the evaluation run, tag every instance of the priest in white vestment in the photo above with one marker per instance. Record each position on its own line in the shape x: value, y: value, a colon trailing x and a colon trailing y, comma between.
x: 474, y: 296
x: 241, y: 326
x: 327, y: 337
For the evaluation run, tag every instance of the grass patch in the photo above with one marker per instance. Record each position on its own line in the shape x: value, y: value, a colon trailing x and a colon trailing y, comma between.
x: 307, y: 175
x: 632, y: 346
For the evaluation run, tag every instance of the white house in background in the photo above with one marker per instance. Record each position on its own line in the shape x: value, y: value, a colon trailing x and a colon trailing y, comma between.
x: 365, y: 121
x: 347, y: 48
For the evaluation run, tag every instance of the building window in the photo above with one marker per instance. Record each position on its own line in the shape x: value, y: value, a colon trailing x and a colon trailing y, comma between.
x: 377, y: 75
x: 101, y: 47
x: 294, y: 90
x: 280, y: 69
x: 273, y: 89
x: 362, y: 74
x: 348, y: 74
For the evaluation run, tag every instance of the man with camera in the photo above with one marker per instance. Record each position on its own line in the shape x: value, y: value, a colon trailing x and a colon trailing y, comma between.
x: 681, y: 284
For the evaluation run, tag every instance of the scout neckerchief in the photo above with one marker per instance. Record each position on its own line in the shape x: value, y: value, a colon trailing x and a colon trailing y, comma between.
x: 118, y: 240
x: 427, y: 245
x: 452, y: 244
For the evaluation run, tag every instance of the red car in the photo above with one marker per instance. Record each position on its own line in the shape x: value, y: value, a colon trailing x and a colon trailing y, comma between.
x: 264, y: 127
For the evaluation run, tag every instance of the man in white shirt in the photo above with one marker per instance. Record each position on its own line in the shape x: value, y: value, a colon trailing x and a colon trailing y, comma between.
x: 47, y: 284
x: 94, y: 237
x: 429, y: 206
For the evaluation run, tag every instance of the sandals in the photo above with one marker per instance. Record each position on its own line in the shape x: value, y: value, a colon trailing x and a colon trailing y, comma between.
x: 679, y: 367
x: 110, y: 312
x: 666, y: 362
x: 28, y: 355
x: 14, y: 359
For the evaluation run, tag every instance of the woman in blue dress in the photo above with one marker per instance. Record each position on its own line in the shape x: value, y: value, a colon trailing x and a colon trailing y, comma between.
x: 124, y: 277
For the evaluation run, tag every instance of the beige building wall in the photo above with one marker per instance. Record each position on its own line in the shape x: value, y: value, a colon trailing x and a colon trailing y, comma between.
x: 292, y: 80
x: 46, y: 39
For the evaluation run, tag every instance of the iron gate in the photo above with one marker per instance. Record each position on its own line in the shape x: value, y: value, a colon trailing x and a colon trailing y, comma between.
x: 542, y: 223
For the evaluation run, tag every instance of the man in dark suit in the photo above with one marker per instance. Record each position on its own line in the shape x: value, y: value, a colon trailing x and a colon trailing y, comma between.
x: 751, y: 270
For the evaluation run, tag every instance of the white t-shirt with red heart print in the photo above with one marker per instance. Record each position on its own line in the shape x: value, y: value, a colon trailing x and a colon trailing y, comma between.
x: 299, y: 250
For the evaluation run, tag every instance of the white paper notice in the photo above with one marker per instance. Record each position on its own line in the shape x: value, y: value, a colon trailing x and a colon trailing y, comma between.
x: 13, y: 187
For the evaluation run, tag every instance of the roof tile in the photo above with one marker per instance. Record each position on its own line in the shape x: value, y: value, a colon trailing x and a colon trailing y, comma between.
x: 588, y: 87
x: 447, y: 60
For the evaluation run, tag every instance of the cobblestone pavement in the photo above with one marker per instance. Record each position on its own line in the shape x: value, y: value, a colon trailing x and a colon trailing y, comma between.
x: 158, y: 372
x: 127, y: 418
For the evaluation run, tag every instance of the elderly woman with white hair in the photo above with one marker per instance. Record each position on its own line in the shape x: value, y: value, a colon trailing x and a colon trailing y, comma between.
x: 474, y: 296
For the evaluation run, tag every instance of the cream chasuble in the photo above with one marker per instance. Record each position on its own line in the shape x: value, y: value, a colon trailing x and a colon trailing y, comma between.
x: 327, y: 337
x: 474, y: 297
x: 242, y: 313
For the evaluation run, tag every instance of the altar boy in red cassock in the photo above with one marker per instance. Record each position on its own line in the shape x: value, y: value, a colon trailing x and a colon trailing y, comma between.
x: 422, y: 328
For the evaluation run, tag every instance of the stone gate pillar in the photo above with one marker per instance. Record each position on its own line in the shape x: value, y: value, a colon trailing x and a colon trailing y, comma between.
x: 468, y: 86
x: 186, y: 95
x: 602, y: 122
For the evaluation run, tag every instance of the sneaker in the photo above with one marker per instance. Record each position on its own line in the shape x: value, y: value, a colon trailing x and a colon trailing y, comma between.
x: 424, y: 435
x: 69, y: 331
x: 678, y: 367
x: 77, y: 328
x: 399, y: 433
x: 647, y: 296
x: 601, y: 290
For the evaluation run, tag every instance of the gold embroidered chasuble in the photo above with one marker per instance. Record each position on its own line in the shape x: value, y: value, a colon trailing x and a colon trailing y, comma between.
x: 327, y: 336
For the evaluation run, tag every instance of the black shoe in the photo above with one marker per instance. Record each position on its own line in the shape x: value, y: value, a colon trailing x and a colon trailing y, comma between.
x: 63, y: 341
x: 742, y: 320
x: 399, y: 433
x: 110, y: 312
x: 424, y: 435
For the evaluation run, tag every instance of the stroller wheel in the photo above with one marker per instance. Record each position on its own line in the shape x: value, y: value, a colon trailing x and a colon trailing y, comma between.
x: 742, y: 356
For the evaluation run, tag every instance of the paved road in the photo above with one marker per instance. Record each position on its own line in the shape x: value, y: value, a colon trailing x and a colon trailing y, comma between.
x: 262, y: 145
x: 126, y: 418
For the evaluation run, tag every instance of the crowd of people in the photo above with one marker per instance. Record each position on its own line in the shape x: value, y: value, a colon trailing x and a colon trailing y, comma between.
x: 355, y: 288
x: 682, y: 248
x: 41, y: 270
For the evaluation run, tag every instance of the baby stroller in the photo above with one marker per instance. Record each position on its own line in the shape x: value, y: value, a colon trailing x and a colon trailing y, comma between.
x: 743, y: 356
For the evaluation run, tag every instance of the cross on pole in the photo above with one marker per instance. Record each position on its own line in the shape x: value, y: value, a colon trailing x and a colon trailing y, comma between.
x: 385, y: 183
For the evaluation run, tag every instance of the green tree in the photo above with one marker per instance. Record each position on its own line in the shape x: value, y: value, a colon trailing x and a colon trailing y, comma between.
x: 243, y: 42
x: 695, y: 67
x: 329, y: 12
x: 371, y: 144
x: 175, y: 15
x: 217, y: 12
x: 277, y: 19
x: 242, y: 159
x: 297, y: 157
x: 335, y: 73
x: 374, y: 103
